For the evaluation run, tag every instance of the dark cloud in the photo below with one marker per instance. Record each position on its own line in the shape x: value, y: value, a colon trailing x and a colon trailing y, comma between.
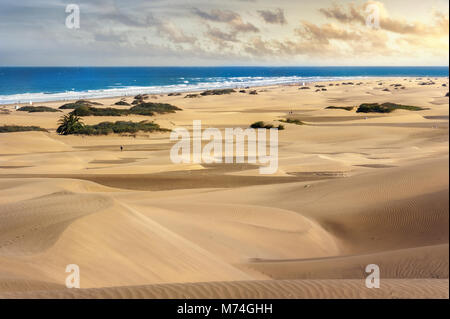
x: 274, y: 17
x: 217, y: 15
x: 232, y: 19
x: 345, y: 15
x: 218, y: 35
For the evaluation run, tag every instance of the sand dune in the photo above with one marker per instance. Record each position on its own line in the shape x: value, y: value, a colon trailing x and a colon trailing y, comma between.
x: 421, y: 262
x: 30, y: 142
x: 351, y: 190
x: 273, y: 289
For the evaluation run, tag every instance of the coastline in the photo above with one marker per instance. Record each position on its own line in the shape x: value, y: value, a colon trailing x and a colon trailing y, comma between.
x: 127, y: 92
x: 138, y: 90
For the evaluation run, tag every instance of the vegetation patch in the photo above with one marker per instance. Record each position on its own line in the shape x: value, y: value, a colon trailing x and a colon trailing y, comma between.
x: 138, y: 99
x: 78, y: 104
x: 145, y: 108
x: 293, y: 121
x: 261, y: 124
x: 217, y: 92
x: 17, y: 128
x: 119, y: 127
x: 122, y: 102
x: 149, y: 108
x: 141, y: 97
x: 33, y: 109
x: 69, y: 124
x: 346, y: 108
x: 72, y: 124
x: 192, y: 96
x: 386, y: 108
x: 95, y: 111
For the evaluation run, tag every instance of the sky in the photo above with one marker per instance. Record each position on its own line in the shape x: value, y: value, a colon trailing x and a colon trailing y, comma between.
x: 225, y: 33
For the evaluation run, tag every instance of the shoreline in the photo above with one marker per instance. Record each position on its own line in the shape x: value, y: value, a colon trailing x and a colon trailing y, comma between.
x: 82, y: 96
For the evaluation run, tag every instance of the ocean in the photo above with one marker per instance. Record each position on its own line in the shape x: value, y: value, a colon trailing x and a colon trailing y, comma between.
x: 38, y: 84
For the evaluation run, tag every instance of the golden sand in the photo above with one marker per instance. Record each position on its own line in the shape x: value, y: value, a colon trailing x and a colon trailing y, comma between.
x: 351, y: 190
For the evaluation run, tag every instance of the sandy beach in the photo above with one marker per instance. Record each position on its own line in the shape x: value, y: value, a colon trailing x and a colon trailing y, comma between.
x: 352, y: 189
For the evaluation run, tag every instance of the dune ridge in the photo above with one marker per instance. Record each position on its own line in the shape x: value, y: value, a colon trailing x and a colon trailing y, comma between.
x: 273, y: 289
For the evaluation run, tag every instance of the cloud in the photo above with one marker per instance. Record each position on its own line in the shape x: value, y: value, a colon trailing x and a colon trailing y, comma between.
x: 217, y: 15
x: 273, y: 17
x: 218, y: 35
x: 110, y: 36
x: 174, y: 33
x: 152, y: 32
x: 339, y: 13
x: 326, y: 32
x: 231, y: 18
x: 352, y: 14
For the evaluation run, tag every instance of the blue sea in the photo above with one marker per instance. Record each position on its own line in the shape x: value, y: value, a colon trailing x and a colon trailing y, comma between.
x: 37, y: 84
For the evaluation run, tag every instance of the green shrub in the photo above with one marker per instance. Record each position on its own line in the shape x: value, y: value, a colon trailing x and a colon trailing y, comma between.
x: 292, y: 121
x: 385, y: 108
x: 217, y: 92
x: 261, y: 124
x: 122, y: 103
x: 17, y: 128
x: 33, y: 109
x: 346, y: 108
x: 119, y: 127
x: 191, y: 96
x: 151, y: 108
x: 94, y: 111
x: 145, y: 108
x: 78, y: 104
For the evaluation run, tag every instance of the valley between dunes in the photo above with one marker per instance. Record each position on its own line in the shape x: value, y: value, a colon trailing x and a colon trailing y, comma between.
x: 351, y: 190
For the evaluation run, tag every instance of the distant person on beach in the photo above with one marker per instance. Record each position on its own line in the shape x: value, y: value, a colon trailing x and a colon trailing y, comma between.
x: 121, y: 148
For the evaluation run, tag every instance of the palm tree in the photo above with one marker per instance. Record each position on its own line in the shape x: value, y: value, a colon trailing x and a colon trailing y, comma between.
x: 69, y: 124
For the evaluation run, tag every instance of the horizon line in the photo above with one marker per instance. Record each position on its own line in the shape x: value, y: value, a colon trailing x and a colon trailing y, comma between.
x: 224, y: 66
